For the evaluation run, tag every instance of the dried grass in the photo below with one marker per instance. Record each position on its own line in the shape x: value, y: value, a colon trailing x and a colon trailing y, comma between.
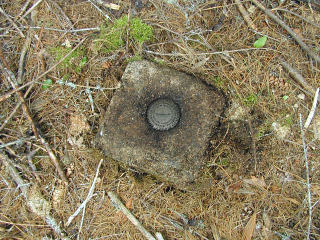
x: 225, y: 202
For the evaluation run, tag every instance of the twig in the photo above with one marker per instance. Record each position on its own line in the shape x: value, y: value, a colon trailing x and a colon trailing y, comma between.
x: 81, y: 222
x: 65, y: 31
x: 10, y: 116
x: 89, y: 196
x: 298, y: 77
x: 313, y: 109
x: 11, y: 79
x: 181, y: 227
x: 299, y: 16
x: 34, y: 199
x: 23, y: 9
x: 307, y: 177
x: 19, y: 141
x: 31, y: 9
x: 24, y: 51
x: 245, y: 15
x: 108, y: 5
x: 104, y: 14
x: 118, y: 204
x: 289, y: 30
x: 7, y: 95
x: 10, y: 150
x: 23, y: 224
x: 174, y: 223
x: 316, y: 203
x: 207, y: 53
x: 12, y: 22
x: 66, y: 18
x: 159, y: 236
x: 15, y: 109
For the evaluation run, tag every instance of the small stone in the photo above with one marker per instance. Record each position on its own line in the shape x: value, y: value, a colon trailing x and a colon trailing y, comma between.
x: 78, y: 124
x: 160, y: 121
x: 236, y: 111
x: 301, y: 96
x: 281, y: 132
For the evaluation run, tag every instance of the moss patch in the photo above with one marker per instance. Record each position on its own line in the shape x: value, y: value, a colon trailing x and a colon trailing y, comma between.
x: 113, y: 36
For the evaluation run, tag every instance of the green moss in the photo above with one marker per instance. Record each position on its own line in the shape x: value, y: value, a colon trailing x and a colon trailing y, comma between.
x: 113, y: 36
x: 46, y: 84
x: 82, y: 63
x: 75, y: 61
x: 140, y: 31
x: 135, y: 58
x: 251, y: 100
x: 224, y: 162
x: 218, y: 81
x: 159, y: 61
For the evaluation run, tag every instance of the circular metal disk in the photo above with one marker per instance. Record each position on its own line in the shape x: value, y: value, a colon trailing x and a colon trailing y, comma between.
x: 163, y: 114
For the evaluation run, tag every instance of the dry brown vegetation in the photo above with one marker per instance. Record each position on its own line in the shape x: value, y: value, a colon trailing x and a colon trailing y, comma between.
x: 209, y: 39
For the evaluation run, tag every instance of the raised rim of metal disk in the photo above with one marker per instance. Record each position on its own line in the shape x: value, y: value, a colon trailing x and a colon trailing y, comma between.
x: 163, y: 114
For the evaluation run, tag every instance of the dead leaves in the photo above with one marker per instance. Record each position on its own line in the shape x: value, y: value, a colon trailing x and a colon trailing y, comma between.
x: 58, y: 195
x: 250, y: 227
x: 78, y: 125
x: 248, y: 186
x: 257, y: 182
x: 106, y: 65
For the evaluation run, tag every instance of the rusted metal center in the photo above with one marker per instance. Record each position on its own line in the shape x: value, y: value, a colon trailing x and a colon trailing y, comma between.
x: 163, y: 114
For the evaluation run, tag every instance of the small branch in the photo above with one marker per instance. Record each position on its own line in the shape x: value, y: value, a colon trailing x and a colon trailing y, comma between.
x: 19, y: 141
x: 307, y: 177
x: 99, y: 10
x: 59, y: 9
x: 15, y: 109
x: 208, y: 53
x: 182, y: 227
x: 159, y: 236
x: 5, y: 122
x: 298, y: 77
x: 304, y: 46
x: 118, y: 204
x: 11, y: 79
x: 313, y: 109
x: 89, y: 196
x: 299, y: 16
x: 245, y: 15
x: 23, y: 9
x: 23, y: 54
x: 81, y: 222
x: 108, y: 5
x: 34, y: 199
x: 12, y: 22
x: 66, y: 31
x: 31, y: 9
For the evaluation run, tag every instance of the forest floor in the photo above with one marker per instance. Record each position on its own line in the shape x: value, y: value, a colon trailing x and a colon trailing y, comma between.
x: 75, y: 54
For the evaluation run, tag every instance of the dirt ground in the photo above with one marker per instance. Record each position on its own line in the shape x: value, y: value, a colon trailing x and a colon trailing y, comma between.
x: 256, y: 191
